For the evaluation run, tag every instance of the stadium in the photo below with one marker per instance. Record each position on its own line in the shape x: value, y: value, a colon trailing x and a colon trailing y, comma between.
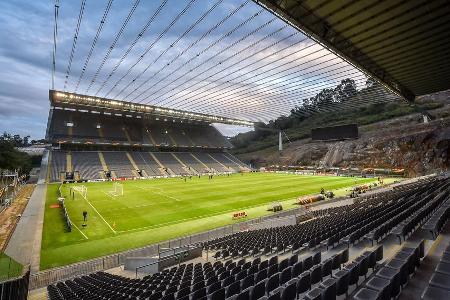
x: 226, y: 149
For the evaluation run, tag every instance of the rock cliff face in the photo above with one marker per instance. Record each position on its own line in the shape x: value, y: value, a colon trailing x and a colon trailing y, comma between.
x: 420, y: 148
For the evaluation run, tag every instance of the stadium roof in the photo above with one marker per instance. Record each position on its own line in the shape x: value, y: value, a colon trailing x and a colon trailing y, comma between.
x: 82, y: 102
x: 404, y: 44
x: 235, y: 59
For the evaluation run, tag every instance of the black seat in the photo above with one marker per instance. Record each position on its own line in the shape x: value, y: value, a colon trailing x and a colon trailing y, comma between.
x: 342, y: 279
x: 317, y: 258
x: 227, y: 281
x: 198, y: 294
x: 217, y: 295
x: 336, y: 261
x: 272, y: 270
x: 307, y: 263
x: 314, y: 294
x: 290, y: 292
x: 327, y: 266
x: 233, y: 289
x: 261, y: 275
x: 353, y: 269
x: 273, y: 260
x: 379, y: 252
x: 258, y: 291
x: 402, y: 266
x: 366, y: 294
x: 297, y: 269
x: 293, y: 259
x: 273, y: 282
x: 244, y: 295
x: 393, y: 275
x: 285, y: 276
x: 247, y: 282
x: 383, y: 286
x: 329, y: 289
x: 213, y: 287
x: 316, y: 274
x: 433, y: 293
x: 304, y: 282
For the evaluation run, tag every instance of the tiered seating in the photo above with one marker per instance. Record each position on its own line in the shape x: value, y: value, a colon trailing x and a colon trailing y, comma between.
x: 439, y: 285
x: 242, y: 279
x: 145, y: 162
x: 58, y: 165
x: 223, y: 159
x: 207, y: 160
x: 87, y: 164
x: 119, y: 163
x: 101, y: 128
x: 388, y: 281
x: 346, y: 224
x: 191, y: 162
x: 439, y: 218
x: 167, y: 159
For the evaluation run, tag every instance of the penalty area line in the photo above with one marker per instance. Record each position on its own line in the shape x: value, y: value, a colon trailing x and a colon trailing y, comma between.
x: 112, y: 229
x: 80, y: 231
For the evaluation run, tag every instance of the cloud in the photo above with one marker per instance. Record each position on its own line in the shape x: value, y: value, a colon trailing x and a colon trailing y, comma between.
x: 238, y: 65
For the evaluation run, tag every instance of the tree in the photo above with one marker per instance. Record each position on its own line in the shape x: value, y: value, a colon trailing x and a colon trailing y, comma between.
x: 12, y: 159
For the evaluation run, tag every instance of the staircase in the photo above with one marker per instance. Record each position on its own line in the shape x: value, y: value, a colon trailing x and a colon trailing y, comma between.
x: 69, y: 162
x: 186, y: 168
x: 162, y: 169
x: 202, y: 163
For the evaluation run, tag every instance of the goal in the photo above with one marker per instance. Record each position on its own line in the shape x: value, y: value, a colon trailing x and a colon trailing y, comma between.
x: 82, y: 190
x: 117, y: 190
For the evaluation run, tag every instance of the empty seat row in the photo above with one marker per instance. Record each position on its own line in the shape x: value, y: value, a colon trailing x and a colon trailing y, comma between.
x: 439, y: 284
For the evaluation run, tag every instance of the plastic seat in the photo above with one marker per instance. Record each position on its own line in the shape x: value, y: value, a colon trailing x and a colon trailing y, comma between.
x: 329, y: 289
x: 366, y: 294
x: 244, y: 295
x: 217, y: 295
x: 261, y: 275
x: 258, y: 291
x: 247, y: 282
x: 297, y: 269
x: 273, y: 260
x: 233, y: 289
x: 316, y: 274
x: 336, y: 261
x: 304, y: 283
x: 285, y: 275
x: 293, y: 259
x: 314, y: 294
x: 273, y: 282
x: 213, y: 287
x: 433, y: 293
x: 383, y: 286
x: 353, y: 269
x: 290, y: 292
x: 342, y: 279
x: 402, y: 266
x: 307, y: 263
x: 327, y: 266
x: 317, y: 258
x: 393, y: 275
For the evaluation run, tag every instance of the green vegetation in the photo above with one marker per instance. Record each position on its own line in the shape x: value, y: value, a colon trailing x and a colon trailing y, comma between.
x: 160, y: 209
x: 299, y: 123
x: 9, y: 268
x: 12, y: 159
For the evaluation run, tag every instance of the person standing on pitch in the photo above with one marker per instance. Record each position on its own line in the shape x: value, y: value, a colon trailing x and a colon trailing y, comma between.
x: 84, y: 218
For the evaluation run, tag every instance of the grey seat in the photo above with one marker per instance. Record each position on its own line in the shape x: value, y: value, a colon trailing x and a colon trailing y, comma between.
x: 366, y: 294
x: 393, y: 275
x: 383, y: 286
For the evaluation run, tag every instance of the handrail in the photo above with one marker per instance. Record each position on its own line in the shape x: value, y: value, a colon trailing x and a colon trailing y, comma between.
x: 160, y: 260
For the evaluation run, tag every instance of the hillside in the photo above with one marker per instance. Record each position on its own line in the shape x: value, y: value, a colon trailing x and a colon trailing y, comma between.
x: 397, y: 141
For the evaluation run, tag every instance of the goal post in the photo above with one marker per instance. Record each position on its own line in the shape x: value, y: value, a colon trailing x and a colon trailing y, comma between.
x: 117, y: 190
x: 82, y: 190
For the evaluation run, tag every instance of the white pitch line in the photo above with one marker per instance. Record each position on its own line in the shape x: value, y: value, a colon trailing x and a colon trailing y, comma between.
x: 80, y: 231
x: 158, y: 193
x: 101, y: 216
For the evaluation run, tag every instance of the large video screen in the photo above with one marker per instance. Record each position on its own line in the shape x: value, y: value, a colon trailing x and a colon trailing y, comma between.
x: 342, y: 132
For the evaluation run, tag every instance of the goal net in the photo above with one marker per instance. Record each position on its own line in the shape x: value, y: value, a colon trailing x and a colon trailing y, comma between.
x: 82, y: 190
x: 117, y: 190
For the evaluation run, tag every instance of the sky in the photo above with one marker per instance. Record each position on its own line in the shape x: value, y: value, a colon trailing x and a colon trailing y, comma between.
x: 224, y: 57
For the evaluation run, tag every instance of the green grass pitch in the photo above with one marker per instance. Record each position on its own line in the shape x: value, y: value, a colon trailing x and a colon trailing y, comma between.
x: 155, y: 210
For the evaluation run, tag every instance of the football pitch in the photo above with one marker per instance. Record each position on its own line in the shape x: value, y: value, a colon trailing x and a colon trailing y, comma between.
x: 159, y: 209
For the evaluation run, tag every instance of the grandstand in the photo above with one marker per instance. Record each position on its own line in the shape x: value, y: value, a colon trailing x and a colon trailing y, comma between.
x: 99, y: 142
x: 142, y: 196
